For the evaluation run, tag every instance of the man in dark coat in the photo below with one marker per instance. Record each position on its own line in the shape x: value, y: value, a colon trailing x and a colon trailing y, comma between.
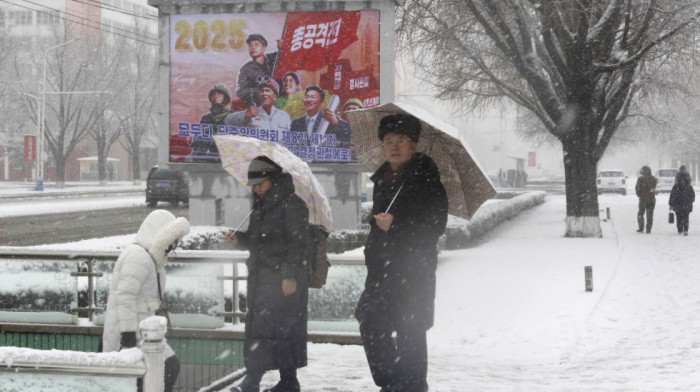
x: 681, y: 202
x: 646, y: 192
x: 401, y: 258
x: 309, y: 123
x: 276, y: 322
x: 683, y: 173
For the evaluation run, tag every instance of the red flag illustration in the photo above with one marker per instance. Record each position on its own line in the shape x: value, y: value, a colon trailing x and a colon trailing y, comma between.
x: 312, y: 40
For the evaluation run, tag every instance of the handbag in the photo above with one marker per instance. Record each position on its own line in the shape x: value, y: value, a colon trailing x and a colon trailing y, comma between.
x: 671, y: 216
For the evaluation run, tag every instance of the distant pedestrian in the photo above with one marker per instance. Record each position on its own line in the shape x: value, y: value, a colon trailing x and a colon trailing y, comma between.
x: 683, y: 173
x: 646, y: 192
x: 681, y: 202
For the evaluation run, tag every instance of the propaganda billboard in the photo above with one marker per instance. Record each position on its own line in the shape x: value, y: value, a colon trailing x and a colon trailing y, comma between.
x: 282, y: 77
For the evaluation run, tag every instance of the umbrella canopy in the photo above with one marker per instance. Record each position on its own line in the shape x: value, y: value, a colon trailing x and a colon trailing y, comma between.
x: 237, y: 152
x: 467, y: 185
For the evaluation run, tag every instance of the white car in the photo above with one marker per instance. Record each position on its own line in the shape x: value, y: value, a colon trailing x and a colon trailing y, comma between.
x: 612, y: 181
x: 665, y: 179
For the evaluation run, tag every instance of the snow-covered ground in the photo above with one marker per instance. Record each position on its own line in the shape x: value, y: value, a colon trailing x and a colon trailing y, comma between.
x: 41, y: 207
x: 512, y: 313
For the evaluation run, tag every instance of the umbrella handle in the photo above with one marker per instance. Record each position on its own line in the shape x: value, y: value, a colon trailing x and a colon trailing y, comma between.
x: 244, y: 221
x: 394, y: 199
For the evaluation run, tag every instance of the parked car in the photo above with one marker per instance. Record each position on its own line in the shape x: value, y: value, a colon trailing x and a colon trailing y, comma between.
x: 612, y: 181
x: 665, y: 178
x: 166, y: 185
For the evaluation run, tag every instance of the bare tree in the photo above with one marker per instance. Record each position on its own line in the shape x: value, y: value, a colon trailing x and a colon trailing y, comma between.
x: 141, y: 87
x: 75, y: 87
x: 108, y: 127
x: 12, y: 99
x: 577, y: 65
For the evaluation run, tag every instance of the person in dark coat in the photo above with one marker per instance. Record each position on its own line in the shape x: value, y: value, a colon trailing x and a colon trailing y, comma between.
x: 276, y: 321
x: 401, y: 258
x: 681, y: 202
x: 683, y: 173
x: 646, y: 192
x: 314, y: 97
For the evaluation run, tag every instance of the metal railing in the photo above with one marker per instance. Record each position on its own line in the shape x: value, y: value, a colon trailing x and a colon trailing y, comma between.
x: 85, y: 267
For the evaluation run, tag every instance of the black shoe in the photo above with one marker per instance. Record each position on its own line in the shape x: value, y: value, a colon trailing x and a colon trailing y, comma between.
x: 685, y: 232
x: 285, y: 386
x: 246, y: 386
x: 640, y: 231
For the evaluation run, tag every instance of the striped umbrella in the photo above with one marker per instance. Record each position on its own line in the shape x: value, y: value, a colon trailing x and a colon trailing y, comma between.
x: 466, y: 184
x: 237, y: 152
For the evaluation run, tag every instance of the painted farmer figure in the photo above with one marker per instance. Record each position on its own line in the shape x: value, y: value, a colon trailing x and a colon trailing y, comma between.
x: 401, y: 258
x: 265, y: 116
x: 278, y: 281
x: 260, y: 68
x: 138, y: 284
x: 646, y: 192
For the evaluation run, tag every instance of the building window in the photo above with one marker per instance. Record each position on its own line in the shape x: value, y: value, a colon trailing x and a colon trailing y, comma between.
x: 21, y: 18
x: 47, y: 17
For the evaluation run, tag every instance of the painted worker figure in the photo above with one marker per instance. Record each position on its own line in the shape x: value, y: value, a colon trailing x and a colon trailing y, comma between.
x: 260, y: 68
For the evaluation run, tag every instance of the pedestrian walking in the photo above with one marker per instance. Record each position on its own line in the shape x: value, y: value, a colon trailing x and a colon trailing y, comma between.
x: 408, y: 216
x: 646, y: 192
x: 275, y: 326
x: 138, y: 283
x: 683, y: 173
x: 681, y: 202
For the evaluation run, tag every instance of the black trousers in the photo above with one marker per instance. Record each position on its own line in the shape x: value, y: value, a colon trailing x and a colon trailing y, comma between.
x: 682, y: 220
x: 400, y: 366
x: 647, y: 207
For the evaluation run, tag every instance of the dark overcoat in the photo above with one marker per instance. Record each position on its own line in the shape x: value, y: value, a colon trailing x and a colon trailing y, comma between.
x: 276, y: 326
x: 682, y: 198
x: 645, y: 188
x: 401, y: 263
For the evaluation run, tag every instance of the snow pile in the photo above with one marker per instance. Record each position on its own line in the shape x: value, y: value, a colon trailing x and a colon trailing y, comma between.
x: 461, y: 233
x: 81, y: 371
x: 17, y: 356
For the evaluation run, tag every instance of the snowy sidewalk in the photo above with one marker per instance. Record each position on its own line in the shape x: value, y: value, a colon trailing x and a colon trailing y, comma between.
x: 513, y: 315
x: 11, y: 191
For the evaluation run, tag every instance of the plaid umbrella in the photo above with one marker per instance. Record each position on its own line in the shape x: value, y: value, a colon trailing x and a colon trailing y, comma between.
x: 467, y: 185
x: 237, y: 152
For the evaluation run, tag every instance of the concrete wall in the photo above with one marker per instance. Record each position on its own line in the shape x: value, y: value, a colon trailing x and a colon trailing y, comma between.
x: 215, y: 197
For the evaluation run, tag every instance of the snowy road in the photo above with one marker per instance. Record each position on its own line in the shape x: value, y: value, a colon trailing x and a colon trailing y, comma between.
x: 37, y: 222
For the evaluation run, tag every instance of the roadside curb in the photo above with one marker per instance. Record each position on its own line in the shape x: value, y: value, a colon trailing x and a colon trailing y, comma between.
x: 75, y: 194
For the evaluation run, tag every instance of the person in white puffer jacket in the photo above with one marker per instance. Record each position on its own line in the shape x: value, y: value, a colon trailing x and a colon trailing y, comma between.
x: 138, y: 284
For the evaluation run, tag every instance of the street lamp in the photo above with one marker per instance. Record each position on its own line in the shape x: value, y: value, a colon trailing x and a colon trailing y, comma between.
x: 40, y: 126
